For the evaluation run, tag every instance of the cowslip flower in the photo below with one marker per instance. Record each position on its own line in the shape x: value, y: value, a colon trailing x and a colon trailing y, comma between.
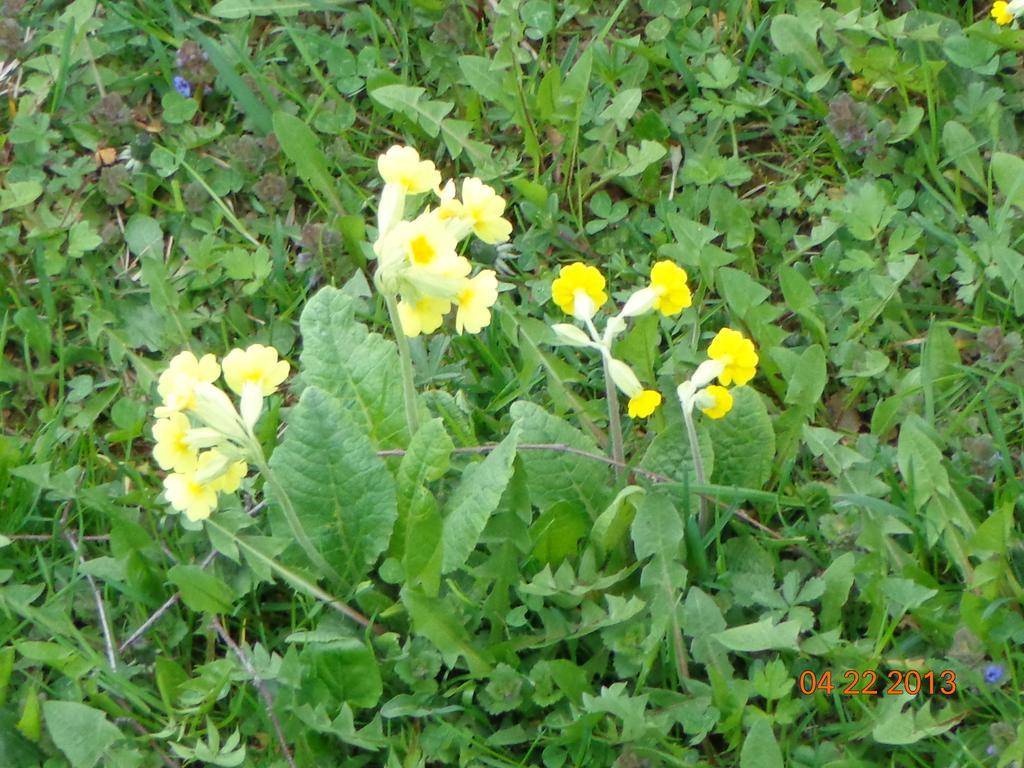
x: 172, y: 450
x: 731, y: 358
x: 213, y: 456
x: 579, y: 290
x: 668, y: 292
x: 479, y: 211
x: 714, y: 401
x: 404, y: 173
x: 1005, y: 12
x: 642, y: 402
x: 423, y: 315
x: 254, y: 374
x: 419, y: 256
x: 474, y: 301
x: 177, y: 384
x: 186, y: 494
x: 736, y: 355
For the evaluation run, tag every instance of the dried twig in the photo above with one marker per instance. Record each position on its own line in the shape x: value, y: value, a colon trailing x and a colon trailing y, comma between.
x: 261, y: 686
x: 174, y: 599
x: 108, y: 636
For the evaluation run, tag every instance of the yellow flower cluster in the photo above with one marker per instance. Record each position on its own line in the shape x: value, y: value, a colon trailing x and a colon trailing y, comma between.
x: 732, y: 359
x: 1004, y: 13
x: 418, y: 260
x: 579, y: 290
x: 210, y: 457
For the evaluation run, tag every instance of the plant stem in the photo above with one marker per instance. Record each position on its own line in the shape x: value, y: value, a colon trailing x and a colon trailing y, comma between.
x: 296, y: 580
x: 614, y: 422
x: 698, y: 467
x: 409, y: 385
x: 284, y: 501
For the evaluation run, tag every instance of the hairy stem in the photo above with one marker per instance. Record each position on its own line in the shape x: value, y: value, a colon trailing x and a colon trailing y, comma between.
x: 698, y: 467
x: 614, y: 422
x: 408, y: 385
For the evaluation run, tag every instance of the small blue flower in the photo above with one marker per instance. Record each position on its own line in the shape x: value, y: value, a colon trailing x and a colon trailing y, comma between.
x: 182, y: 86
x: 993, y: 673
x: 991, y: 750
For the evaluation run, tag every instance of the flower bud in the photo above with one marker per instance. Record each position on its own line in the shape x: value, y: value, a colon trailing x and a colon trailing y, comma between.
x: 571, y: 335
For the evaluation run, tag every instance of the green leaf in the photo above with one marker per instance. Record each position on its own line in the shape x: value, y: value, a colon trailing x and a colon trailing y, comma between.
x: 806, y: 375
x: 426, y: 459
x: 557, y: 532
x: 797, y: 37
x: 347, y: 668
x: 612, y: 524
x: 435, y: 621
x: 359, y: 368
x: 760, y: 749
x: 555, y: 476
x: 740, y: 291
x: 760, y: 636
x: 920, y: 462
x: 82, y: 733
x: 474, y: 500
x: 201, y: 590
x: 143, y: 236
x: 343, y: 494
x: 744, y: 441
x: 240, y: 9
x: 962, y: 150
x: 248, y: 101
x: 482, y: 78
x: 657, y: 528
x: 801, y: 299
x: 410, y: 101
x: 893, y: 725
x: 302, y: 147
x: 838, y: 578
x: 1008, y: 171
x: 19, y: 193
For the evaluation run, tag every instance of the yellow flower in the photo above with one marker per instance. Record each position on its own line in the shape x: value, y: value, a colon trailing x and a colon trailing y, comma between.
x: 171, y: 450
x: 186, y: 494
x: 402, y: 166
x: 423, y: 315
x: 1001, y: 13
x: 736, y: 354
x: 257, y: 365
x: 474, y: 302
x: 669, y: 283
x: 714, y: 401
x: 423, y: 243
x: 483, y: 206
x: 216, y: 471
x: 177, y: 384
x: 643, y: 405
x: 579, y: 290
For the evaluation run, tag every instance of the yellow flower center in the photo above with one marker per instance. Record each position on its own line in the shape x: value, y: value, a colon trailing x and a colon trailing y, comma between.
x: 422, y: 251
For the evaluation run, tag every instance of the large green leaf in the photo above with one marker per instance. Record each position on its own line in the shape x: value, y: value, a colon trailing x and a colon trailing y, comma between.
x: 343, y: 494
x: 474, y: 500
x: 556, y: 476
x: 361, y: 369
x: 744, y: 441
x: 82, y: 733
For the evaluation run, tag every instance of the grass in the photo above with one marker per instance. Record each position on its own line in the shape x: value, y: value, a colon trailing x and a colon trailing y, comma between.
x: 842, y: 184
